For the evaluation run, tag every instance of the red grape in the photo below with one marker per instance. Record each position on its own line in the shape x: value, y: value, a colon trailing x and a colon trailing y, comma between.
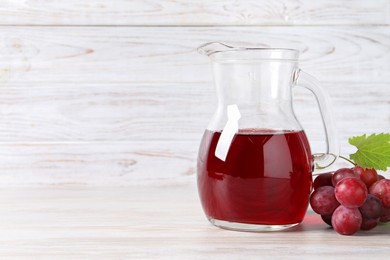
x: 380, y: 177
x: 323, y: 200
x: 358, y: 170
x: 372, y: 207
x: 341, y: 174
x: 369, y: 223
x: 346, y: 221
x: 324, y: 179
x: 385, y: 215
x: 369, y: 176
x: 381, y: 189
x: 351, y: 192
x: 327, y: 219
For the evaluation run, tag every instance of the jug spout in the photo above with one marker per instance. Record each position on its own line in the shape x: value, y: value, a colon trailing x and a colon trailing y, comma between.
x: 213, y: 47
x: 225, y: 51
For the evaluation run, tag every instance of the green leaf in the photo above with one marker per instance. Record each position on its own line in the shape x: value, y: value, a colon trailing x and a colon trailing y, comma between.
x: 373, y: 151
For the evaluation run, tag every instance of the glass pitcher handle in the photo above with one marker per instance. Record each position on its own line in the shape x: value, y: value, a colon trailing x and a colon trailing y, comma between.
x: 322, y: 160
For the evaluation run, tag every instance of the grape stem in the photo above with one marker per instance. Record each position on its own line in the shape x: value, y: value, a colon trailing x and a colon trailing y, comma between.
x: 348, y: 160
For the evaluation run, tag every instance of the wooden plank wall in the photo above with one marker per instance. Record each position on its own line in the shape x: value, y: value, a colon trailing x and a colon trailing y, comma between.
x: 101, y: 92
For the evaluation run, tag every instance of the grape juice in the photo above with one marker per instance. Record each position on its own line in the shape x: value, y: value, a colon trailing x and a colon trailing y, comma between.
x: 266, y: 177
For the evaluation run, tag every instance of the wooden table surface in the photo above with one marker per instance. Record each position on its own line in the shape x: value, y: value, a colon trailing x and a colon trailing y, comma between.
x: 156, y: 222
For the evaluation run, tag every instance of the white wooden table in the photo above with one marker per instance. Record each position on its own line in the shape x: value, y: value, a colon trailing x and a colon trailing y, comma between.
x: 155, y: 222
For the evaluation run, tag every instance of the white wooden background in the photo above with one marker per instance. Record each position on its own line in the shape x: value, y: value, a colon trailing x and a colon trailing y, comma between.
x: 112, y: 92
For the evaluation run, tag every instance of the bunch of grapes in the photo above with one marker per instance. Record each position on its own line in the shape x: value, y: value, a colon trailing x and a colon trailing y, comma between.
x: 353, y: 199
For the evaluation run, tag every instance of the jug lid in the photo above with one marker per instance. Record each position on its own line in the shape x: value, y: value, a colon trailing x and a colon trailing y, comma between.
x: 223, y: 51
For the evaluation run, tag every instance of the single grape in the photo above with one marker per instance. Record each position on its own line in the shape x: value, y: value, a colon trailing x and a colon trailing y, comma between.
x: 380, y: 177
x: 372, y: 207
x: 346, y: 221
x: 351, y: 192
x: 327, y: 219
x: 323, y: 201
x: 358, y: 170
x: 369, y: 223
x: 385, y: 215
x: 324, y: 179
x: 369, y: 176
x: 381, y: 189
x: 341, y: 174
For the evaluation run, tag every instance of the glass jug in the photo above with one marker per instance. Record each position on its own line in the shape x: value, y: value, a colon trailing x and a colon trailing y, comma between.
x: 254, y: 168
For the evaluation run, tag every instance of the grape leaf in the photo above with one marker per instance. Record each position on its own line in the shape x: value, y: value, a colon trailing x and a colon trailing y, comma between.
x: 373, y: 151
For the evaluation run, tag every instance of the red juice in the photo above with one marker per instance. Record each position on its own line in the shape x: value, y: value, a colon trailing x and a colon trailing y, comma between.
x: 266, y: 177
